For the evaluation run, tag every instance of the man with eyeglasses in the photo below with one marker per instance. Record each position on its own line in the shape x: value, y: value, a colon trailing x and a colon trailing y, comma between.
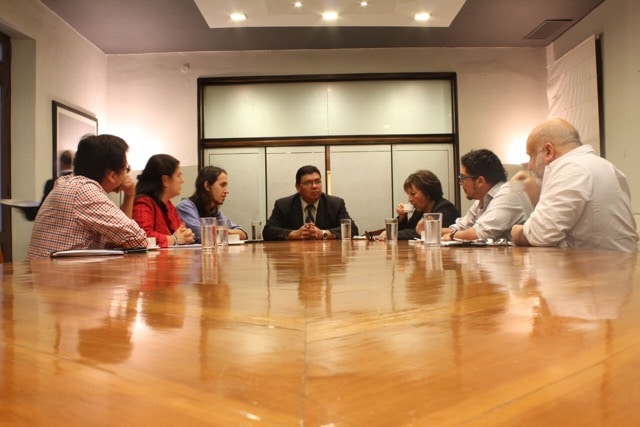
x: 309, y: 214
x: 78, y: 214
x: 584, y: 200
x: 496, y: 207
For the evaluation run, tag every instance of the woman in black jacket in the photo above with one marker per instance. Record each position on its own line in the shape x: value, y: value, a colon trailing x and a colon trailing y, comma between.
x: 424, y: 192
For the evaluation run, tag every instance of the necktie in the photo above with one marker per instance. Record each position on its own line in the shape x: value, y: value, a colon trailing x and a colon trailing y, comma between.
x: 309, y: 216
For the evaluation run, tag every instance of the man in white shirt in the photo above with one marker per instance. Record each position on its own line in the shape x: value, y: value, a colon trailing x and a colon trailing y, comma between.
x: 584, y: 201
x: 496, y: 208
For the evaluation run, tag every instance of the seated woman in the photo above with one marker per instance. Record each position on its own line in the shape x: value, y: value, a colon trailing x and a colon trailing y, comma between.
x: 424, y: 192
x: 161, y: 180
x: 212, y: 187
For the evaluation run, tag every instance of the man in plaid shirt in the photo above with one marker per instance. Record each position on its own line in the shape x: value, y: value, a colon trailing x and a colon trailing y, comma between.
x: 77, y: 214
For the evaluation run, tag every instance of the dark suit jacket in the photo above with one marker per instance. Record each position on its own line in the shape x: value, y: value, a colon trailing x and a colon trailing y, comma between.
x: 407, y: 228
x: 287, y: 216
x: 48, y: 186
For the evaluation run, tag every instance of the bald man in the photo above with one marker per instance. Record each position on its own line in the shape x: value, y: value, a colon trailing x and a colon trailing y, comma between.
x: 584, y: 201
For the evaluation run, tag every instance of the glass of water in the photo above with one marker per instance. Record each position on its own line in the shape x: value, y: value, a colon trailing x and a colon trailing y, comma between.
x: 222, y: 231
x: 345, y: 228
x: 208, y: 233
x: 432, y: 228
x: 391, y: 229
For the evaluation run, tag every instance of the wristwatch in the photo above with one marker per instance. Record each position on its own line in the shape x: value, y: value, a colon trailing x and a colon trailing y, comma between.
x: 325, y: 234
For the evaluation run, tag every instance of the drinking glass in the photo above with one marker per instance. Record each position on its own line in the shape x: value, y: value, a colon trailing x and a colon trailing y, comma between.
x: 256, y: 230
x: 391, y: 229
x: 208, y: 233
x: 222, y: 231
x: 345, y: 228
x: 432, y: 228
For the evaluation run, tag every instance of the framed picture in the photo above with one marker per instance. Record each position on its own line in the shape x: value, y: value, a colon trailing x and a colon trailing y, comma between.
x: 69, y: 126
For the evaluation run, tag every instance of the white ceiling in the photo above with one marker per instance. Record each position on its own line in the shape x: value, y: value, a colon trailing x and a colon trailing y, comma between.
x: 283, y: 13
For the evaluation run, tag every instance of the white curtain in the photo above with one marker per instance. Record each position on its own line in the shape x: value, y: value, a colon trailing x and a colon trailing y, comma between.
x: 572, y: 90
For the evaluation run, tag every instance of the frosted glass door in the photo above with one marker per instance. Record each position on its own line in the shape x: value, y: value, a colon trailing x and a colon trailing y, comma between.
x: 245, y: 169
x: 361, y: 174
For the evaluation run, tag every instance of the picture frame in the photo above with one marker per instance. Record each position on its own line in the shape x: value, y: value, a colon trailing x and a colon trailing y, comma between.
x: 69, y: 126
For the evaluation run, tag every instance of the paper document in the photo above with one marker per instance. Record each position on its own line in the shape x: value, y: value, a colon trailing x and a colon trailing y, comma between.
x: 87, y: 252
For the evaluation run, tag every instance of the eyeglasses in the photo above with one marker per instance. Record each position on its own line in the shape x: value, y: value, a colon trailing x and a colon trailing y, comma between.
x: 317, y: 182
x: 463, y: 177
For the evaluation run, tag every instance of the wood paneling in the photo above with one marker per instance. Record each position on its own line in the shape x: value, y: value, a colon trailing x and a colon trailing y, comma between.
x: 320, y: 333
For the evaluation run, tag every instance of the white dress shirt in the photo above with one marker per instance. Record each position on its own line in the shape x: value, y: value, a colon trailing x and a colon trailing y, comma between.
x: 585, y: 202
x: 501, y: 208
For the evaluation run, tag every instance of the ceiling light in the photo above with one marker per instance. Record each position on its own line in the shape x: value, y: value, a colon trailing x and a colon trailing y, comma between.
x: 330, y: 16
x: 297, y: 3
x: 364, y: 3
x: 237, y: 17
x: 422, y: 16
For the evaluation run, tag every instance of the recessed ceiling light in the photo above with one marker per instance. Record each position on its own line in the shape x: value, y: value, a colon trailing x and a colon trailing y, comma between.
x: 364, y: 3
x: 238, y: 17
x: 297, y: 3
x: 330, y: 16
x: 422, y: 16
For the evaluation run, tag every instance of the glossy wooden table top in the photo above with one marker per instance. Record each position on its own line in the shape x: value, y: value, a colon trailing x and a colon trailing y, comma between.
x: 323, y: 334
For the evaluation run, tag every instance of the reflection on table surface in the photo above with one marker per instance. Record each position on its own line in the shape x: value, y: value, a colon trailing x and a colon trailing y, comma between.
x: 323, y: 333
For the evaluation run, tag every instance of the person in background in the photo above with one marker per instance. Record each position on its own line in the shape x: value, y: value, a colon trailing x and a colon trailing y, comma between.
x: 584, y: 201
x: 309, y: 213
x: 160, y: 181
x: 65, y: 167
x: 78, y: 214
x: 212, y: 188
x: 496, y: 207
x: 424, y: 192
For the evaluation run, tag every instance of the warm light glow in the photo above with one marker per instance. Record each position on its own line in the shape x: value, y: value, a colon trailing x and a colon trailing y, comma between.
x: 297, y: 4
x: 330, y: 16
x: 237, y: 17
x: 517, y: 150
x: 422, y: 16
x: 142, y: 144
x: 364, y: 3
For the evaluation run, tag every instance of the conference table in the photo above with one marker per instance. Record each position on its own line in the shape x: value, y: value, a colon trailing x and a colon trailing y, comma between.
x: 323, y: 333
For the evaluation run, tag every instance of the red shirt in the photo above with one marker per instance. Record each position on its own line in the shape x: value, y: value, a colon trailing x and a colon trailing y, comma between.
x: 153, y: 221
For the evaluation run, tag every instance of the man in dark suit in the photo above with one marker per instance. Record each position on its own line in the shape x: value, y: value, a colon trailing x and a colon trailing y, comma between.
x: 65, y: 168
x: 65, y: 165
x: 309, y: 214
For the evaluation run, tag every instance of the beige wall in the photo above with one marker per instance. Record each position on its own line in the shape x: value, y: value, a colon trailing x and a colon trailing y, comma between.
x: 501, y: 92
x: 50, y: 61
x: 617, y: 23
x: 150, y: 100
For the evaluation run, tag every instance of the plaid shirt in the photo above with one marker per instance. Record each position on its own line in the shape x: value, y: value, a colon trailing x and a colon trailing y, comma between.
x: 77, y: 214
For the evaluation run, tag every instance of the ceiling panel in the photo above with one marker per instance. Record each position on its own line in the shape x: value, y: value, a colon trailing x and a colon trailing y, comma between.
x: 151, y: 26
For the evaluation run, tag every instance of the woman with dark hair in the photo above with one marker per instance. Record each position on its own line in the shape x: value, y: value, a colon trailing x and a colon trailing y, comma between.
x: 424, y: 192
x: 212, y: 188
x: 160, y: 181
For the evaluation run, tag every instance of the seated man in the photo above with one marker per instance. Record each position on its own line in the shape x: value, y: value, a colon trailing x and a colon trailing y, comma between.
x: 496, y: 208
x: 77, y: 214
x: 308, y: 214
x: 584, y: 201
